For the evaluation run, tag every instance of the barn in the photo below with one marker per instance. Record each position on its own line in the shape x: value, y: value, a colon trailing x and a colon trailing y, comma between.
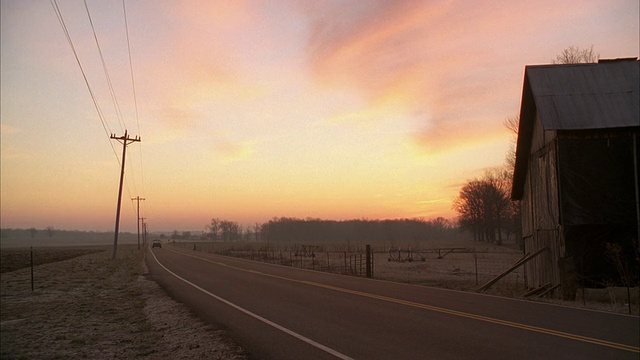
x: 576, y: 173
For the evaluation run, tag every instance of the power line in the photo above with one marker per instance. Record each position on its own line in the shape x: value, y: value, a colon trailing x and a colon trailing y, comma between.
x: 125, y: 139
x: 133, y: 87
x: 114, y: 98
x: 105, y: 126
x: 112, y: 92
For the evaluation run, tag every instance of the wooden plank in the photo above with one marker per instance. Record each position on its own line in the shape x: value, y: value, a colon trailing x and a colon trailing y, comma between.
x: 537, y: 290
x: 519, y: 263
x: 548, y: 290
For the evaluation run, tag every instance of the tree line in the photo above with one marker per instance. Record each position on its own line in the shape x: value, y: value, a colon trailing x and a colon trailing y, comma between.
x: 317, y: 231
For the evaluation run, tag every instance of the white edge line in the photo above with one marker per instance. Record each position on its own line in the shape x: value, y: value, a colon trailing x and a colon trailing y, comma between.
x: 258, y: 317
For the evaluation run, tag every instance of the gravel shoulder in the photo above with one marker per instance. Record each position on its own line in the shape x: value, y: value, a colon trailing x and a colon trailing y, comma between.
x: 94, y: 307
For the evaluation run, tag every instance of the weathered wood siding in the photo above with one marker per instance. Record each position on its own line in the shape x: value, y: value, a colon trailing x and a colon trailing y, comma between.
x: 540, y: 210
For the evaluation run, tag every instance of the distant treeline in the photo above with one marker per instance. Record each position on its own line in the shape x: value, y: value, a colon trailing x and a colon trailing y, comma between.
x: 315, y: 231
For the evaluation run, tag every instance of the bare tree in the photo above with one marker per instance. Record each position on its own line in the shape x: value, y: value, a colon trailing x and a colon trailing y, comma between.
x: 214, y: 229
x: 499, y: 187
x: 469, y: 205
x: 512, y: 123
x: 483, y: 205
x: 575, y: 55
x: 256, y: 230
x: 513, y: 219
x: 230, y: 230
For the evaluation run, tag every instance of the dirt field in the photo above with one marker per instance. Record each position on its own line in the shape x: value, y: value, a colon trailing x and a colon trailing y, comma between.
x: 15, y: 259
x: 92, y: 307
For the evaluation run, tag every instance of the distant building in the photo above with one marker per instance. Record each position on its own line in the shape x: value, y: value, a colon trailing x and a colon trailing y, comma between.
x: 576, y: 171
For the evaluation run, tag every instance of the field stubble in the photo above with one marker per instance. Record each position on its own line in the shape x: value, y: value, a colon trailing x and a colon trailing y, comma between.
x: 94, y: 307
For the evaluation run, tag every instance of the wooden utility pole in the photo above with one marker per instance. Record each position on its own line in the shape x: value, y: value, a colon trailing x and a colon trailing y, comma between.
x: 144, y: 231
x: 124, y: 140
x: 138, y: 198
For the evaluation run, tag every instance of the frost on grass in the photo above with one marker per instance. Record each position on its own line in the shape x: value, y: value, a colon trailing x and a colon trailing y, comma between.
x: 93, y: 307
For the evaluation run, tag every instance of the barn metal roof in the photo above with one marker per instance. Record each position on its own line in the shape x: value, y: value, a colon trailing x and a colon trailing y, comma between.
x: 586, y: 96
x: 601, y: 95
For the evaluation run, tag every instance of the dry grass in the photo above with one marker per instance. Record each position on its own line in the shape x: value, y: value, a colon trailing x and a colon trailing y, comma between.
x: 93, y: 307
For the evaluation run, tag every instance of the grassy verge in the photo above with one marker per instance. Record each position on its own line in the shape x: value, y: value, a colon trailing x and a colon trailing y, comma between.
x: 94, y: 307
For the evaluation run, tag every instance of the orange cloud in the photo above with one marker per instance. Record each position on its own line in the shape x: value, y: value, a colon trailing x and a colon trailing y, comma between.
x: 233, y: 151
x: 438, y: 61
x: 453, y: 134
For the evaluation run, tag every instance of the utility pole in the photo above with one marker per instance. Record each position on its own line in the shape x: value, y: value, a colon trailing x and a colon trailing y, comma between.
x: 144, y: 232
x: 124, y: 140
x: 138, y: 198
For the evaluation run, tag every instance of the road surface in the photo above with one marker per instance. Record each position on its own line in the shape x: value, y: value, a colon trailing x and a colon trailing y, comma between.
x: 277, y: 312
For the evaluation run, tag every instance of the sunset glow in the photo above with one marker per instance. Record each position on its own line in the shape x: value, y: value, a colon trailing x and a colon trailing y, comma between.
x: 250, y: 110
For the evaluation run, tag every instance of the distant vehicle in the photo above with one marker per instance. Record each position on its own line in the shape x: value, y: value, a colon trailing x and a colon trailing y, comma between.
x: 156, y: 244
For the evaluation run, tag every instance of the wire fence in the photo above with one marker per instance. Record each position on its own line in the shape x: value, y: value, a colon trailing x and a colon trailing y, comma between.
x: 460, y: 268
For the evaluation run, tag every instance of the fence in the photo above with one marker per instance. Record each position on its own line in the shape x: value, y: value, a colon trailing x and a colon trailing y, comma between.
x: 305, y: 257
x: 462, y: 268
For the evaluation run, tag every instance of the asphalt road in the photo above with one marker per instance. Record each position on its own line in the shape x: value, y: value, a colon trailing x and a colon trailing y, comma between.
x: 277, y: 312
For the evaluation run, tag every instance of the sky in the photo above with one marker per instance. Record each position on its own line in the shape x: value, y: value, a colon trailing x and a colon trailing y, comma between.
x: 250, y: 110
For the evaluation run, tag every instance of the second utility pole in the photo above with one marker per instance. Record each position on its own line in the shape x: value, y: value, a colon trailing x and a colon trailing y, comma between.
x: 124, y: 140
x: 138, y: 198
x: 144, y: 232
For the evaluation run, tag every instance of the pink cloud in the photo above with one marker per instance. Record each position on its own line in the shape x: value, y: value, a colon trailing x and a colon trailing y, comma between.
x: 455, y: 64
x: 368, y: 45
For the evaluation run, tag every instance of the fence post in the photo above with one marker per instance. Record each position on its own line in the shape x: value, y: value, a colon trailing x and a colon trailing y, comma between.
x: 475, y: 258
x: 372, y: 266
x: 368, y: 261
x: 32, y: 269
x: 345, y: 262
x: 328, y: 264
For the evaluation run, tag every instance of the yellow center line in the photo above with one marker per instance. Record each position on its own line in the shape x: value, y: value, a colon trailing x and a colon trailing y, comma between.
x: 576, y: 337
